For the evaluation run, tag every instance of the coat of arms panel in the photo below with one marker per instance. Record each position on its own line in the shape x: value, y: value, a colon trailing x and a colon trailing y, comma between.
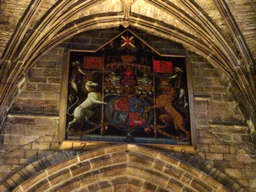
x: 126, y: 92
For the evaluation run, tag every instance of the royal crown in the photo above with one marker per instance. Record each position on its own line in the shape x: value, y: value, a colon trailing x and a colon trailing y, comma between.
x: 128, y: 58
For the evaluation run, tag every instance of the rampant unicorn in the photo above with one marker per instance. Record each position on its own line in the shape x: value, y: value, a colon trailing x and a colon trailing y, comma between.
x: 93, y: 98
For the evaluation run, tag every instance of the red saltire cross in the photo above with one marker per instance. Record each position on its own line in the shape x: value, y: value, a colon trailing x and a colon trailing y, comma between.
x: 127, y: 41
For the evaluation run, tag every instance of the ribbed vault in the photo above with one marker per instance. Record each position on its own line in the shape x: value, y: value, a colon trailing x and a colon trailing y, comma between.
x: 122, y: 168
x: 182, y: 21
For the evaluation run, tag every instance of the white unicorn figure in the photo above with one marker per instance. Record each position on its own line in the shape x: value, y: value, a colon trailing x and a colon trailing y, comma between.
x: 92, y: 99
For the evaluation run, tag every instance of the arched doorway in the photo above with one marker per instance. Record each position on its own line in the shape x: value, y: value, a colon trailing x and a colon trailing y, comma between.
x: 122, y: 167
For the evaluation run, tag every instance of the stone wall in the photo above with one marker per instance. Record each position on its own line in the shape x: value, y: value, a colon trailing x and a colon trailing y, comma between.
x: 31, y: 129
x: 9, y: 19
x: 223, y: 137
x: 223, y: 140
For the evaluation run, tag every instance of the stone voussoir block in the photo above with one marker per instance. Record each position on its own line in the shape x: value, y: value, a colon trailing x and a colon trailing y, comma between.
x: 121, y: 187
x: 200, y: 185
x: 187, y: 178
x: 119, y: 180
x: 173, y: 171
x: 168, y: 159
x: 90, y: 177
x: 25, y: 161
x: 142, y: 150
x: 33, y: 180
x: 40, y: 186
x: 159, y: 164
x: 91, y: 154
x: 63, y: 165
x: 135, y: 188
x: 105, y: 185
x: 80, y: 168
x: 101, y: 161
x: 190, y: 169
x: 17, y: 178
x: 175, y: 185
x: 69, y: 185
x: 149, y: 186
x: 134, y: 181
x: 234, y: 173
x: 140, y: 159
x: 59, y: 177
x: 116, y: 148
x: 93, y: 187
x: 119, y: 157
x: 115, y: 170
x: 156, y: 177
x: 135, y: 170
x: 3, y: 188
x: 210, y: 181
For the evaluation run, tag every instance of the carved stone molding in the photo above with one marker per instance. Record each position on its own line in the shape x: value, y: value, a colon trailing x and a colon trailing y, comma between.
x: 64, y: 21
x: 127, y: 10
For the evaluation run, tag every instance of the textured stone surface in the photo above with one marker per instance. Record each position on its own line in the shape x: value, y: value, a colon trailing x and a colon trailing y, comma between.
x: 120, y: 177
x: 30, y: 132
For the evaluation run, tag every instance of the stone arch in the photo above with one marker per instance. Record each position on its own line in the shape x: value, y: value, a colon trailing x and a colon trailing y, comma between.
x: 124, y: 167
x: 66, y: 19
x: 34, y: 48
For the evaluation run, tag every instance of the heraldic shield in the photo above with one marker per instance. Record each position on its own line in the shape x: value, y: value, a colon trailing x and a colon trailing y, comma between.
x: 126, y: 92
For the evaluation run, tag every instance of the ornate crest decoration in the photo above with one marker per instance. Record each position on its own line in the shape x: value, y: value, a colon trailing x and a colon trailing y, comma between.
x: 127, y: 93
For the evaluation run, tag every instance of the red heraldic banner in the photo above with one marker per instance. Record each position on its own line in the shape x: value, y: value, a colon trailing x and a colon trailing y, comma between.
x: 163, y: 66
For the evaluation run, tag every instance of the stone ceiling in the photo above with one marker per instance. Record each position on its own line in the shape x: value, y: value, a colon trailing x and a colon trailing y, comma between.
x: 221, y: 31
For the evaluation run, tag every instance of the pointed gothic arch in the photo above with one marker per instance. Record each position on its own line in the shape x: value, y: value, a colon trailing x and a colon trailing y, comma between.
x: 66, y: 19
x: 124, y: 167
x: 60, y: 22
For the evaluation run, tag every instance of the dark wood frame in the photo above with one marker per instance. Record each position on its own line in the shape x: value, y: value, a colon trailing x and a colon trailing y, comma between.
x: 63, y: 105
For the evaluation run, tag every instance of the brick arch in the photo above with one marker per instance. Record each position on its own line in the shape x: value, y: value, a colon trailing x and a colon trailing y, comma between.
x: 126, y: 167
